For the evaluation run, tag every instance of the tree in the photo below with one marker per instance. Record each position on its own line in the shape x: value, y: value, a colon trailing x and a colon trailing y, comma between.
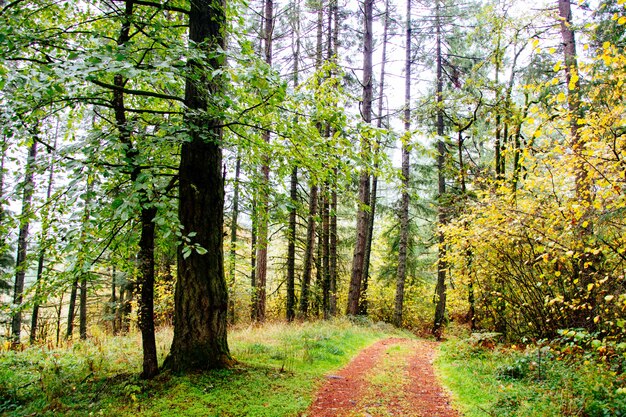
x: 404, y: 205
x: 21, y: 264
x: 440, y: 290
x: 356, y: 276
x: 201, y: 298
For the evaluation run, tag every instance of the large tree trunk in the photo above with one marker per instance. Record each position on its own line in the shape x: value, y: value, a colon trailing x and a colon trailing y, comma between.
x: 358, y: 259
x: 28, y: 187
x: 146, y: 292
x: 440, y: 289
x: 404, y: 205
x: 201, y: 297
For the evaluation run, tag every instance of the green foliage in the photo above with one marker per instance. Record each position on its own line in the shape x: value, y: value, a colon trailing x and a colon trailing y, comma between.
x: 535, y: 381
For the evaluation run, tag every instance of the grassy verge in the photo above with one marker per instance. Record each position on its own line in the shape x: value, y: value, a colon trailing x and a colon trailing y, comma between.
x: 279, y: 368
x: 530, y: 383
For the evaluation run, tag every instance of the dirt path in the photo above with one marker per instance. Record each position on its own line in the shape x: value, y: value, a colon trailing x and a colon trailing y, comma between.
x: 393, y: 377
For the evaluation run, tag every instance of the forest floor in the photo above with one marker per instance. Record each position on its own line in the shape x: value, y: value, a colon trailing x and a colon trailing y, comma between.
x: 392, y: 377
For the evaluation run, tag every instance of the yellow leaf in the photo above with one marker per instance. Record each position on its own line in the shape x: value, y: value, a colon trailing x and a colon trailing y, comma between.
x: 557, y: 273
x: 557, y: 66
x: 621, y: 20
x: 585, y: 224
x: 552, y: 50
x: 560, y: 97
x: 589, y: 287
x: 608, y: 298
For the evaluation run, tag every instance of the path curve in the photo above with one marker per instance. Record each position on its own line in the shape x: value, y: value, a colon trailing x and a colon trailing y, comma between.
x: 351, y: 391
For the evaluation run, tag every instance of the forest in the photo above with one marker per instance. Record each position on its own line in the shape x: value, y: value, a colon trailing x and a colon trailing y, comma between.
x: 180, y: 174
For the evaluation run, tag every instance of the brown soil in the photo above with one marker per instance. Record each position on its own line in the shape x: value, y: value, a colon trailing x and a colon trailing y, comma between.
x: 421, y: 395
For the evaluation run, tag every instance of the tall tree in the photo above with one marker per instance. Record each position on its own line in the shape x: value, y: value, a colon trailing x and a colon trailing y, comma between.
x: 264, y: 204
x: 404, y: 205
x: 440, y: 289
x: 201, y: 297
x: 233, y: 239
x: 293, y: 189
x: 43, y: 241
x: 28, y: 188
x: 356, y: 276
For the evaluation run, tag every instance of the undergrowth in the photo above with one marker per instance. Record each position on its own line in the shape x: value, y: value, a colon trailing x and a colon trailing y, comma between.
x: 278, y: 368
x: 539, y: 381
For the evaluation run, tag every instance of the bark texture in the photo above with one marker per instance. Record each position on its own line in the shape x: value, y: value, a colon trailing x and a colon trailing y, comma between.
x: 201, y: 298
x: 358, y: 258
x: 28, y: 187
x: 404, y: 204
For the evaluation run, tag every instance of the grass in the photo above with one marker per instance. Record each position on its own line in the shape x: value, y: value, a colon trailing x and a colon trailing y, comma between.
x: 531, y: 383
x: 279, y: 368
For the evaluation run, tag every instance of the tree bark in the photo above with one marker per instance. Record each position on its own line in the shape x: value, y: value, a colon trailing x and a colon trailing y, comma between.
x: 358, y: 259
x: 404, y: 205
x: 81, y: 266
x: 201, y: 297
x: 45, y: 228
x: 440, y: 289
x: 28, y: 188
x: 146, y: 292
x: 572, y: 82
x: 71, y: 309
x: 308, y: 253
x: 291, y: 247
x: 233, y: 240
x: 263, y: 220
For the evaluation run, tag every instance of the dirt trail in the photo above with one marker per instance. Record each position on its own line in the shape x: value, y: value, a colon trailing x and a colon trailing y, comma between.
x: 393, y: 377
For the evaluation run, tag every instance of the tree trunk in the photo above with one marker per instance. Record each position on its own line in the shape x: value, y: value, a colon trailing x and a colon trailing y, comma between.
x: 358, y: 259
x: 404, y: 205
x: 81, y: 267
x: 71, y: 309
x: 263, y: 219
x: 253, y: 245
x: 573, y: 95
x: 82, y: 322
x: 440, y: 289
x: 233, y: 240
x: 325, y: 249
x: 332, y: 269
x: 308, y: 254
x: 291, y: 247
x: 28, y: 188
x: 146, y: 292
x: 201, y: 297
x: 3, y: 232
x: 45, y: 228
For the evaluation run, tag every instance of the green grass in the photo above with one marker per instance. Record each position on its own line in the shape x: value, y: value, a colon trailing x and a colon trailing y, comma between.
x: 506, y: 382
x: 279, y: 368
